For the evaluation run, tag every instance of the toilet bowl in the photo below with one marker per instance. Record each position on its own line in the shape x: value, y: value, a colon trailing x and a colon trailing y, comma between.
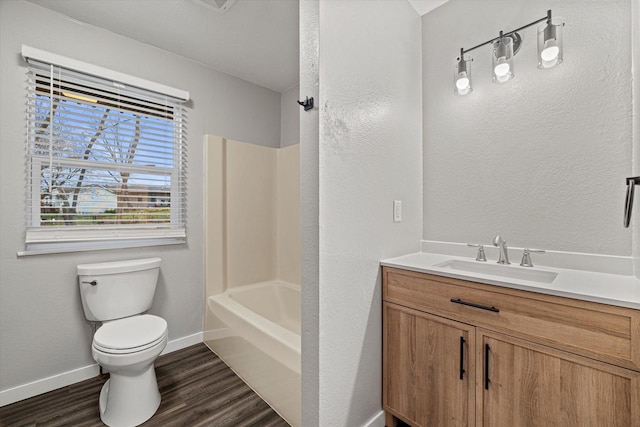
x: 128, y: 348
x: 128, y: 342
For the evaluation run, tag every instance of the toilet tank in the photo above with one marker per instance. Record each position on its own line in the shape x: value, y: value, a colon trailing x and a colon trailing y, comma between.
x: 112, y: 290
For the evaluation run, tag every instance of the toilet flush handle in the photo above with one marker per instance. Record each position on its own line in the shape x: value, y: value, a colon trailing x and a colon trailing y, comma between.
x: 92, y: 283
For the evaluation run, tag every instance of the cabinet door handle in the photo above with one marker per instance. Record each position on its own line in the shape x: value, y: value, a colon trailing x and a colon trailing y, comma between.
x: 462, y: 358
x: 486, y: 366
x: 471, y: 304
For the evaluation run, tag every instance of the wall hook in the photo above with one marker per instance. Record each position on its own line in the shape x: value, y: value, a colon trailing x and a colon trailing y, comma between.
x: 307, y: 104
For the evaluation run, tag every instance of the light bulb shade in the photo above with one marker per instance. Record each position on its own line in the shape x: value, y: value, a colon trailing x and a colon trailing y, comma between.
x: 502, y: 59
x: 550, y: 43
x: 462, y: 76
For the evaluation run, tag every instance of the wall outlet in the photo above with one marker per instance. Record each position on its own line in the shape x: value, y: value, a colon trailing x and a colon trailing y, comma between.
x: 397, y: 211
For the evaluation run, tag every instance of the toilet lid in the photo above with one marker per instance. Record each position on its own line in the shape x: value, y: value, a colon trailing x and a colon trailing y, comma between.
x: 130, y: 332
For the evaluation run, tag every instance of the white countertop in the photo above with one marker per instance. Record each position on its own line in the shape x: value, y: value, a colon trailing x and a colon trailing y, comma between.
x: 613, y: 289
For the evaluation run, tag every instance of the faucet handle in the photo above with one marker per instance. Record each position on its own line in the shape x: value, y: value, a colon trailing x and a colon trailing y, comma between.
x: 499, y: 241
x: 480, y: 256
x: 526, y: 256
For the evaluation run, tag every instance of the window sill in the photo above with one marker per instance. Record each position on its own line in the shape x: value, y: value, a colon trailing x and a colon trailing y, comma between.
x: 69, y: 247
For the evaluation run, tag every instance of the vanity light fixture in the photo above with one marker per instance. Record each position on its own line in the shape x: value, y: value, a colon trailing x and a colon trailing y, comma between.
x: 550, y: 42
x: 505, y: 47
x: 502, y: 58
x: 462, y: 74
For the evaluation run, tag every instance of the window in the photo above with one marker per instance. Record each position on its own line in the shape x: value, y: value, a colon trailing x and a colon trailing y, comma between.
x: 106, y: 161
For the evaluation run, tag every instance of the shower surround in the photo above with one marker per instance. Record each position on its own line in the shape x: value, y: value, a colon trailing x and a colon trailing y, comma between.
x: 252, y: 266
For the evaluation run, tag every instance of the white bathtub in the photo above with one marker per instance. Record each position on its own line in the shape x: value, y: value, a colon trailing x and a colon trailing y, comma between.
x: 256, y: 331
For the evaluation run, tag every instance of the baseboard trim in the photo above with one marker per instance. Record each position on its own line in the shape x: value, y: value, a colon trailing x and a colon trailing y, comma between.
x: 64, y: 379
x: 376, y: 421
x: 44, y: 385
x: 184, y: 342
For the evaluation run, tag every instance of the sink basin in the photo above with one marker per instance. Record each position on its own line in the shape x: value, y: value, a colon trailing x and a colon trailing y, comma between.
x: 511, y: 272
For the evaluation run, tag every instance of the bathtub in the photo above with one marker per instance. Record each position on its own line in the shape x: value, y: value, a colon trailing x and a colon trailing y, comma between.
x: 255, y: 329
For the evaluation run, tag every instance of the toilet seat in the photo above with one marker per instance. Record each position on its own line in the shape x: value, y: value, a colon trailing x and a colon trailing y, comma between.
x: 130, y: 334
x: 138, y: 349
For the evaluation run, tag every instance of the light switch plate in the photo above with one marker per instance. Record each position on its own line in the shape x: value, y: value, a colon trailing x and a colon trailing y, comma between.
x: 397, y: 211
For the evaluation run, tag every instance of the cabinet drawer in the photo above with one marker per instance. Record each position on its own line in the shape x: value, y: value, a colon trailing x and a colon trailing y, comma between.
x: 603, y: 332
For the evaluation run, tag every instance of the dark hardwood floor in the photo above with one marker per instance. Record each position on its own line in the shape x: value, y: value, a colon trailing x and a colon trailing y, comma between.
x: 197, y: 389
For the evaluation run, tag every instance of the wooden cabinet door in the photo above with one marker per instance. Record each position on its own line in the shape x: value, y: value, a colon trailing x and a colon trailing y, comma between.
x: 428, y: 368
x: 520, y: 383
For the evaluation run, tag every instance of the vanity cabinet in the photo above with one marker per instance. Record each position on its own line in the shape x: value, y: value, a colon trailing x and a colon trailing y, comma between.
x: 459, y: 353
x: 522, y: 384
x: 429, y: 371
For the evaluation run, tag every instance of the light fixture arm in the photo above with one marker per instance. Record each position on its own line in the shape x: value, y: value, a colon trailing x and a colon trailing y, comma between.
x: 546, y: 18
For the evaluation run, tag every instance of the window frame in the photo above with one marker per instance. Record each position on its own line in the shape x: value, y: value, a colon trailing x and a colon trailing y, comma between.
x: 41, y: 239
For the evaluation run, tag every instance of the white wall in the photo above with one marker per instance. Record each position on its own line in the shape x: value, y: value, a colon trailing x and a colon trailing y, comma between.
x: 369, y: 155
x: 290, y: 117
x: 42, y: 327
x: 542, y: 159
x: 635, y: 40
x: 309, y: 207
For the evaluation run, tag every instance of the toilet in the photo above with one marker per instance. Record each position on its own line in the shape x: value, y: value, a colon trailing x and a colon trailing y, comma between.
x: 129, y: 341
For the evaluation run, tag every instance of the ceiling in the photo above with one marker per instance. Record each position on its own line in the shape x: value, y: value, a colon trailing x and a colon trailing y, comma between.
x: 255, y: 40
x: 425, y: 6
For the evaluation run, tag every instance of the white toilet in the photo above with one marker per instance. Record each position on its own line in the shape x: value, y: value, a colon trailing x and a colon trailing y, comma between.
x: 128, y: 342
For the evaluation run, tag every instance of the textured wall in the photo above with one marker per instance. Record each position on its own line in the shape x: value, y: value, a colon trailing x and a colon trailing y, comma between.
x: 635, y: 31
x: 541, y: 159
x: 369, y: 155
x: 309, y: 207
x: 43, y: 331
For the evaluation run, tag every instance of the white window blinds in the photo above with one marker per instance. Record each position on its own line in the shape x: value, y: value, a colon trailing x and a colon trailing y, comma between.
x: 106, y: 161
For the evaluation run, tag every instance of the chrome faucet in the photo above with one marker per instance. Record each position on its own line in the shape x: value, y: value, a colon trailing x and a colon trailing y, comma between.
x: 499, y: 242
